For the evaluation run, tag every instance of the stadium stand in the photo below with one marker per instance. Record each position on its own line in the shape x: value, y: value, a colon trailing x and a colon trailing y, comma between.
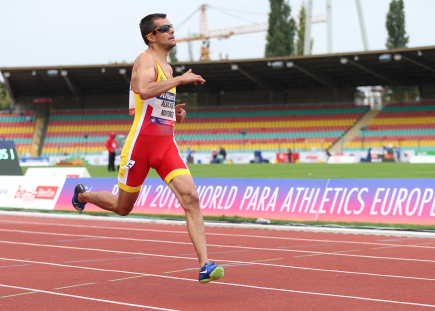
x: 409, y: 126
x: 66, y: 131
x: 19, y: 128
x: 267, y: 129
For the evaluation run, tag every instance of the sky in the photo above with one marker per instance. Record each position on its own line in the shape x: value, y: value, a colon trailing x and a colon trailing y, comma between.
x: 84, y: 32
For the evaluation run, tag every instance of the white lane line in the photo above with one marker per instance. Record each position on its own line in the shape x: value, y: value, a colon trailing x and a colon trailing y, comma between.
x: 224, y: 260
x: 87, y: 298
x: 216, y: 234
x: 230, y: 284
x: 217, y: 245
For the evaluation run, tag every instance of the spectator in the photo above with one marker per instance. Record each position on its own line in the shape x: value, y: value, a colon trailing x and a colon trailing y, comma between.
x: 214, y: 154
x: 222, y: 152
x: 111, y: 145
x: 28, y: 118
x: 289, y: 156
x: 189, y: 155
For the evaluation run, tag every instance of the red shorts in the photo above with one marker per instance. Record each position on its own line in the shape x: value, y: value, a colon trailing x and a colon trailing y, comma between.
x: 145, y: 151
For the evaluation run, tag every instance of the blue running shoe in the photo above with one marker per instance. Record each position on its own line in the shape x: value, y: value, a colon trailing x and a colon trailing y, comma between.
x: 75, y: 201
x: 211, y: 272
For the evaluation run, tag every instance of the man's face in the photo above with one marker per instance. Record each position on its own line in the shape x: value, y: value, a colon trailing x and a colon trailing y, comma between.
x: 164, y: 39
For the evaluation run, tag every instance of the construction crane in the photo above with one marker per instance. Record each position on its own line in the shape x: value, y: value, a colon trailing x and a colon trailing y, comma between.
x: 205, y: 34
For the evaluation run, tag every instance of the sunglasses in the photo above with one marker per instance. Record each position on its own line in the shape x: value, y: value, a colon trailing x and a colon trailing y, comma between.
x: 164, y: 28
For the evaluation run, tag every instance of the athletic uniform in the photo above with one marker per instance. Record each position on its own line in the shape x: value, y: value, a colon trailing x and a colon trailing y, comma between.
x: 151, y: 142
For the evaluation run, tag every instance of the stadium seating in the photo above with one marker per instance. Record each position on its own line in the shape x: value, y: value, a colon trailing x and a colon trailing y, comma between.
x: 19, y: 128
x: 268, y: 129
x: 66, y: 131
x: 408, y: 126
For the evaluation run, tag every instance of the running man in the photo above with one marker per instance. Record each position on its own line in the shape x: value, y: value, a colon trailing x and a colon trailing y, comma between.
x: 151, y: 143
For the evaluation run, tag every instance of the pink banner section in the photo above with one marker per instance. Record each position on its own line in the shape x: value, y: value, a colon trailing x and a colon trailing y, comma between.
x: 408, y: 201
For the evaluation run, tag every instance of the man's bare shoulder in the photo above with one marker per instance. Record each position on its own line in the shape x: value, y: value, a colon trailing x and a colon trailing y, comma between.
x: 145, y: 60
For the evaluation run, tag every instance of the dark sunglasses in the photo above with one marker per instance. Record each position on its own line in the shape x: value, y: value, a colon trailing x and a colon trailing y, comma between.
x: 164, y: 28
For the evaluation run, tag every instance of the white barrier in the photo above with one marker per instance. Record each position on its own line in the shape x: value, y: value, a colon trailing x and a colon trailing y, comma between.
x: 422, y: 159
x: 58, y: 172
x: 30, y: 192
x: 342, y: 160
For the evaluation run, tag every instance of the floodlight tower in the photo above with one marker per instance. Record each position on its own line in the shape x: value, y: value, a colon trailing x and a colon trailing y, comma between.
x: 329, y: 25
x: 307, y: 38
x: 362, y: 25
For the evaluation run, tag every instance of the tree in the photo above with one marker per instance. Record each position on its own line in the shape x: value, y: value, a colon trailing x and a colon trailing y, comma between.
x: 281, y: 31
x: 301, y: 32
x: 5, y: 99
x: 397, y: 37
x: 173, y: 55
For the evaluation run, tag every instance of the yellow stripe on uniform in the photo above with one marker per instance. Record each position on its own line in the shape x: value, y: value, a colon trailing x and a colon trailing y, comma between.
x: 129, y: 189
x: 176, y: 173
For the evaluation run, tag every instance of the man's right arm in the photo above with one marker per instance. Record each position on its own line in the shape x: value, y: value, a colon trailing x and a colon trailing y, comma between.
x: 146, y: 76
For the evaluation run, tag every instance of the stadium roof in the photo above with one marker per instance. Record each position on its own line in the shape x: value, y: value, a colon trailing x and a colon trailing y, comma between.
x: 413, y: 66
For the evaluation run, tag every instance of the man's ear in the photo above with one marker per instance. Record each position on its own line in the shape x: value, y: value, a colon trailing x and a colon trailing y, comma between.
x: 151, y: 38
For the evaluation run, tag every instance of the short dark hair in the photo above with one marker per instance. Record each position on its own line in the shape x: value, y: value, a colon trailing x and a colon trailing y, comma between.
x: 147, y: 25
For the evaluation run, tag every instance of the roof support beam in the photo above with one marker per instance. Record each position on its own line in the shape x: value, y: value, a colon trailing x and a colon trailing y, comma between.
x: 417, y: 63
x: 71, y: 86
x: 6, y: 76
x: 371, y: 71
x: 257, y: 80
x: 123, y: 73
x: 326, y: 82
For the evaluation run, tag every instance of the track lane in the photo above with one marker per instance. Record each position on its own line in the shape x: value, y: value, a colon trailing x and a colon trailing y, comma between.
x: 355, y: 264
x: 38, y: 299
x: 367, y: 286
x: 238, y: 271
x: 233, y: 296
x: 291, y: 237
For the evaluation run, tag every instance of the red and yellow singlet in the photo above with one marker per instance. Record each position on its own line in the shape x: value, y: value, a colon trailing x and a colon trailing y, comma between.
x: 150, y: 142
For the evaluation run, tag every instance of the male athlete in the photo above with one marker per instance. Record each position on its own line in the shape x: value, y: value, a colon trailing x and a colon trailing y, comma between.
x: 151, y: 143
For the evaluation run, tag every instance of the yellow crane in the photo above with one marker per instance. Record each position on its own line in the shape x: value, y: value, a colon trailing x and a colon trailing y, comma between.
x: 205, y: 34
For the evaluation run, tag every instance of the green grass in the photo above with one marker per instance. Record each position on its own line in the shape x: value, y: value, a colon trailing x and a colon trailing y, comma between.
x: 297, y: 171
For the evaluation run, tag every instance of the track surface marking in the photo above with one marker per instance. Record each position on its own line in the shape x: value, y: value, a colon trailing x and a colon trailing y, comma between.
x: 155, y: 266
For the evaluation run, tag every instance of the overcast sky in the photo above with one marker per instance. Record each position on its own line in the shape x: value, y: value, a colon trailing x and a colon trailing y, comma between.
x: 81, y: 32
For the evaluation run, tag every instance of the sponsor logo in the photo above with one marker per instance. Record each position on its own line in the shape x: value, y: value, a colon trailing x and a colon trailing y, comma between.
x: 41, y: 192
x: 46, y: 192
x: 72, y: 176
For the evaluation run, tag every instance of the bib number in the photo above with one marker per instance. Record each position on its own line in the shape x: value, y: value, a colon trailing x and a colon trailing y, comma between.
x: 164, y: 109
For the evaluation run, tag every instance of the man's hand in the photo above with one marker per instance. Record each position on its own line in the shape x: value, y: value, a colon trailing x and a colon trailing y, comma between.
x: 190, y: 77
x: 180, y: 112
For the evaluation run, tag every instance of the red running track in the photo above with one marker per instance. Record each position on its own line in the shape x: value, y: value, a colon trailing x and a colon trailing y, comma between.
x: 66, y: 264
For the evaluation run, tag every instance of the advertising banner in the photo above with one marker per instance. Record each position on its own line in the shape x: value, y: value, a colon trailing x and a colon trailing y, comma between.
x: 41, y: 161
x: 363, y: 200
x: 30, y: 192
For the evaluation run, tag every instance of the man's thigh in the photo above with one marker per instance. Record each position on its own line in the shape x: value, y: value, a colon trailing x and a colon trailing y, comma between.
x: 182, y: 185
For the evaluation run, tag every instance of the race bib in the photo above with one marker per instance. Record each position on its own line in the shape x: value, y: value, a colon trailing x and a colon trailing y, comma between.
x: 131, y: 101
x: 164, y: 109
